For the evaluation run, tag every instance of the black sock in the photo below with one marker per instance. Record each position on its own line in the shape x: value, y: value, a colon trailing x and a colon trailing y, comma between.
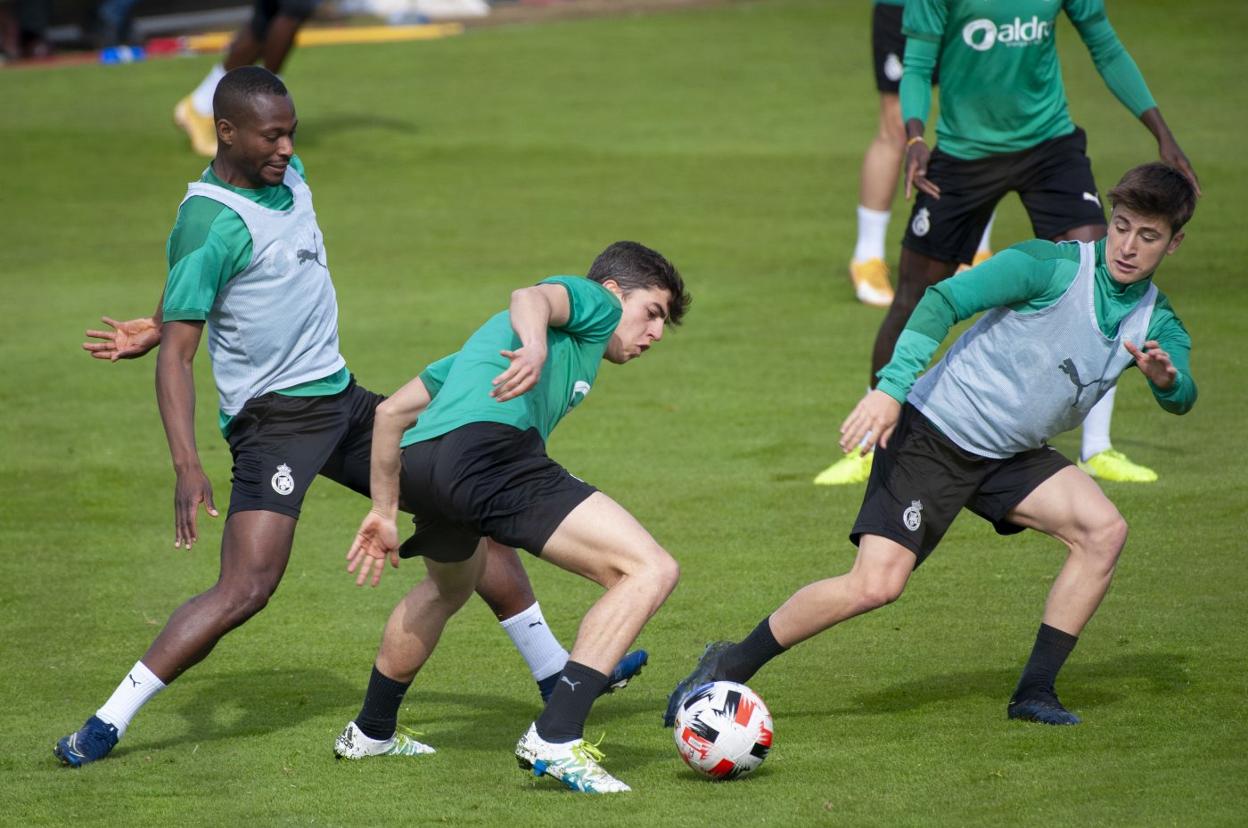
x: 380, y: 714
x: 1047, y: 657
x: 563, y: 720
x: 741, y: 661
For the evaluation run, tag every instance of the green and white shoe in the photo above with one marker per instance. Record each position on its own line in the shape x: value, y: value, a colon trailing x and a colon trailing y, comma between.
x: 575, y: 764
x: 353, y: 744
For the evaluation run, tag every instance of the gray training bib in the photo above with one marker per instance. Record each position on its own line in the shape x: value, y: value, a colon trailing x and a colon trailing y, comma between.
x: 275, y: 324
x: 1014, y: 380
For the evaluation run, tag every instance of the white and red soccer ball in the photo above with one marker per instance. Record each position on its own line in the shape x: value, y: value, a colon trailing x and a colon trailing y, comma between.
x: 723, y: 730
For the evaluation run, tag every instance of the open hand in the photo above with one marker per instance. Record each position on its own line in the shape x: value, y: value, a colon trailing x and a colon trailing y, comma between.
x: 376, y: 540
x: 1153, y: 362
x: 872, y: 421
x: 523, y: 373
x: 127, y: 340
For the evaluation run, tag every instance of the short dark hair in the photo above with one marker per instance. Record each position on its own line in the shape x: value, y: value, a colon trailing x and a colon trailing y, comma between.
x: 1157, y: 189
x: 634, y: 266
x: 235, y: 91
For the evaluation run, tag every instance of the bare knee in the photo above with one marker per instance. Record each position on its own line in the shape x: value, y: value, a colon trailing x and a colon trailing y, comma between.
x: 892, y: 137
x: 653, y: 566
x: 891, y: 131
x: 876, y: 589
x: 1105, y: 539
x: 240, y: 602
x: 452, y: 592
x: 666, y: 572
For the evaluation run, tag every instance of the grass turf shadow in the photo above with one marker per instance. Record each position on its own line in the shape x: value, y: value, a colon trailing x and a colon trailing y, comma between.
x: 270, y: 700
x: 1081, y: 685
x: 491, y: 722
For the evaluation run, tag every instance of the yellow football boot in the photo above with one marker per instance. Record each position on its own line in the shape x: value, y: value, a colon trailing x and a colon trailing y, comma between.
x: 871, y: 285
x: 1114, y: 465
x: 852, y: 468
x: 201, y: 129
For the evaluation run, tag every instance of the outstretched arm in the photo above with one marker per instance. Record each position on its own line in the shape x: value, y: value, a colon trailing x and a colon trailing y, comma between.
x: 1165, y: 360
x: 1125, y: 81
x: 127, y: 340
x: 175, y: 395
x: 533, y: 310
x: 1021, y: 277
x: 378, y: 535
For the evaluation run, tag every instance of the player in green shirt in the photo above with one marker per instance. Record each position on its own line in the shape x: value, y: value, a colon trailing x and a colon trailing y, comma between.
x: 474, y: 465
x: 247, y: 266
x: 973, y: 431
x: 1004, y: 126
x: 881, y: 165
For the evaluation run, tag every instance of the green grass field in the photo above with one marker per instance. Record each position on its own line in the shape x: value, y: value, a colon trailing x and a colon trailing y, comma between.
x: 446, y: 174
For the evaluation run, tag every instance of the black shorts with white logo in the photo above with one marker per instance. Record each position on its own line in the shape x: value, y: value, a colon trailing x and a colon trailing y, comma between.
x: 484, y: 479
x: 888, y: 48
x: 281, y: 443
x: 1053, y: 179
x: 922, y: 480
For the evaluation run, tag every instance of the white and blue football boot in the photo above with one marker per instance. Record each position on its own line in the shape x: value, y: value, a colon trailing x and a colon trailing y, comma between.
x: 575, y: 764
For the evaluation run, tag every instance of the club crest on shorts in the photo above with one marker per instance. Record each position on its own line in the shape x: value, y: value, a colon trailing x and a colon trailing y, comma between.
x: 283, y: 483
x: 892, y: 67
x: 913, y: 516
x: 922, y: 222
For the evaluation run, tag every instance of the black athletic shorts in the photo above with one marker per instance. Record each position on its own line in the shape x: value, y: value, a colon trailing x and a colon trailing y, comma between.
x: 922, y: 479
x: 888, y: 48
x: 281, y: 443
x: 1053, y: 179
x: 484, y: 479
x: 264, y: 11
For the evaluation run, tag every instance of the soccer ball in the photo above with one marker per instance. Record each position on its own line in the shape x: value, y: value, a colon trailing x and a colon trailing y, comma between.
x: 723, y: 730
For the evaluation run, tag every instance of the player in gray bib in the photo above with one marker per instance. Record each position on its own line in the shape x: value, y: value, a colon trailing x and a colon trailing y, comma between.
x: 1063, y: 321
x: 1015, y: 379
x: 254, y: 350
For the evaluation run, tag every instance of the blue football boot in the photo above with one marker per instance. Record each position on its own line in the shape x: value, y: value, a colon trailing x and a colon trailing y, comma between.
x: 1042, y: 707
x: 91, y: 743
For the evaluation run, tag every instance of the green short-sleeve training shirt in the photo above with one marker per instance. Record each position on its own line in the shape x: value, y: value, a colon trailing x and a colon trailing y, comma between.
x: 574, y: 353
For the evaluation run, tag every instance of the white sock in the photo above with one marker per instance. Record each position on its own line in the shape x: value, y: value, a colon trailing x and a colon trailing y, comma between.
x: 533, y: 638
x: 133, y: 692
x: 872, y: 225
x: 201, y: 98
x: 1096, y: 426
x: 985, y: 241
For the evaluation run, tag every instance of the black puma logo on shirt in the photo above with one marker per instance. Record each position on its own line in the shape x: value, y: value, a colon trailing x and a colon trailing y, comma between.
x: 1069, y: 369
